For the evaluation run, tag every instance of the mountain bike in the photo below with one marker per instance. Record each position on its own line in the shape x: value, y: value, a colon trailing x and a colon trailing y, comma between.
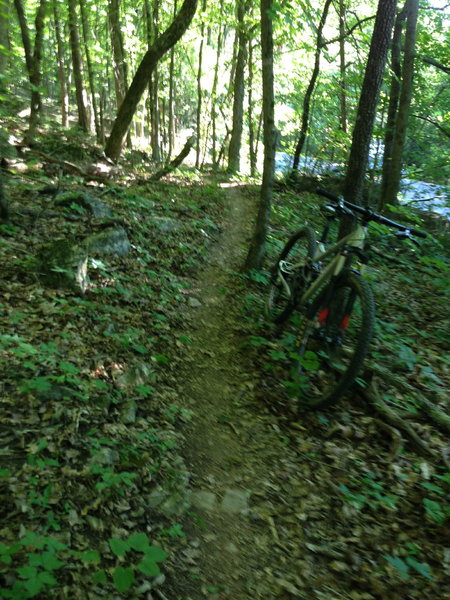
x: 325, y: 291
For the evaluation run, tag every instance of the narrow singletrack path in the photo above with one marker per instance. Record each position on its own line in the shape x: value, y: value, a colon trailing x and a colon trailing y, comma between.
x: 234, y: 448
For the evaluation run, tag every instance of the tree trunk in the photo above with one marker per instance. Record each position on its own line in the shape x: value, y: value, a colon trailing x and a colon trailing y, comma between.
x: 80, y: 92
x: 118, y: 58
x: 251, y: 124
x: 342, y: 68
x: 394, y: 95
x: 4, y: 42
x: 234, y: 151
x: 171, y: 123
x: 391, y: 183
x: 162, y: 44
x: 25, y: 34
x: 35, y: 73
x: 199, y: 88
x: 311, y: 86
x: 365, y: 116
x: 64, y: 96
x: 214, y: 93
x: 86, y: 37
x: 256, y: 252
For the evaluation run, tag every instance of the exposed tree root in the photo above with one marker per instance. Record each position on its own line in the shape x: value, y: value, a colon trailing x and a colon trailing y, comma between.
x: 373, y: 395
x: 438, y: 416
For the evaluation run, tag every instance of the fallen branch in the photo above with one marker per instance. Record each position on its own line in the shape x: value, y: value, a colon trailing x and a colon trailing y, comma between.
x: 69, y: 167
x: 176, y: 161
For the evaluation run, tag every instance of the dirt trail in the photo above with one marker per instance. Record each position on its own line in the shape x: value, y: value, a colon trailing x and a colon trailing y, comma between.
x: 232, y: 449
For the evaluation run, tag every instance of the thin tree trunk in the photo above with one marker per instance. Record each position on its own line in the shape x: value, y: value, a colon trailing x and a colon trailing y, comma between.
x: 171, y: 124
x: 342, y: 69
x: 394, y: 95
x: 199, y: 88
x: 162, y: 44
x: 80, y: 91
x: 365, y: 117
x: 251, y: 125
x: 64, y: 96
x: 86, y: 36
x: 234, y: 151
x: 311, y: 86
x: 392, y: 184
x: 25, y: 34
x: 117, y: 50
x: 35, y: 73
x: 214, y: 92
x: 255, y: 256
x: 4, y: 41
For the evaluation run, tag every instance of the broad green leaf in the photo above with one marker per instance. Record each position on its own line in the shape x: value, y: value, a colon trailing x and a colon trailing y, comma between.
x: 421, y: 568
x: 118, y: 547
x: 99, y: 577
x: 155, y: 553
x: 123, y: 578
x: 91, y: 556
x: 27, y: 572
x: 51, y: 561
x: 399, y: 564
x: 148, y: 567
x: 138, y: 541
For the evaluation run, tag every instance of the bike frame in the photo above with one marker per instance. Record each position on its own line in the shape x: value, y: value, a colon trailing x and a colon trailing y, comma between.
x: 355, y: 239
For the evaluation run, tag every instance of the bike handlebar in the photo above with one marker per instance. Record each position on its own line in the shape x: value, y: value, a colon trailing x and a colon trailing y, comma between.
x: 369, y: 214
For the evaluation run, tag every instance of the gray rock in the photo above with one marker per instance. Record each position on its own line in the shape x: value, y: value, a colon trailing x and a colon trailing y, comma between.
x: 204, y: 500
x: 106, y: 456
x: 140, y: 374
x: 99, y: 209
x: 194, y: 303
x: 113, y: 240
x: 63, y: 264
x: 235, y: 501
x: 128, y: 412
x: 166, y: 225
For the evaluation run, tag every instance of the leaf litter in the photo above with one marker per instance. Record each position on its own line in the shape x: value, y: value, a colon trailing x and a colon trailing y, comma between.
x: 121, y: 404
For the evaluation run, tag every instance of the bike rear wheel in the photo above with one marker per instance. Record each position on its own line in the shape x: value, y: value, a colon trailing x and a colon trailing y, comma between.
x: 334, y: 341
x: 290, y: 274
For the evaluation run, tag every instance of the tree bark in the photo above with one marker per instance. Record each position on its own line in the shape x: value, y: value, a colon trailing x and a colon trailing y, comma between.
x: 342, y: 69
x: 255, y: 256
x: 214, y: 93
x: 35, y: 73
x: 392, y: 184
x: 365, y: 117
x: 199, y: 88
x: 162, y: 44
x: 64, y: 96
x: 118, y: 57
x: 4, y: 41
x: 86, y: 37
x: 25, y: 34
x: 234, y: 151
x: 80, y: 92
x: 171, y: 123
x: 394, y: 95
x: 311, y: 86
x: 251, y: 124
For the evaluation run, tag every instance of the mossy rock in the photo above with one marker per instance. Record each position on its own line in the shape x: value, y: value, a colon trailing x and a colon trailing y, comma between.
x: 63, y: 264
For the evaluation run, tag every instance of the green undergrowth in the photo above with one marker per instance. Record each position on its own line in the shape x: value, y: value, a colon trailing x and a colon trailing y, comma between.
x: 92, y: 484
x: 372, y: 483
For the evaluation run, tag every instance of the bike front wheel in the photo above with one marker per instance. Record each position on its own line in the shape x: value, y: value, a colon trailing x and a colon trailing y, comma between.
x: 334, y: 340
x: 290, y: 274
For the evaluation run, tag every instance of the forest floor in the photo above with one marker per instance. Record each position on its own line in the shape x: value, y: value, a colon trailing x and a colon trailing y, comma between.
x: 149, y: 447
